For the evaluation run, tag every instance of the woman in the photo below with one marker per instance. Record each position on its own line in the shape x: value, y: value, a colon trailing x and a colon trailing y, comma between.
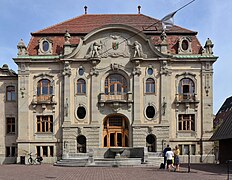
x: 176, y: 158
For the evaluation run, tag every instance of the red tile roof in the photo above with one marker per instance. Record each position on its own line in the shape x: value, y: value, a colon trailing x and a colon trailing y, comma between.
x: 88, y: 22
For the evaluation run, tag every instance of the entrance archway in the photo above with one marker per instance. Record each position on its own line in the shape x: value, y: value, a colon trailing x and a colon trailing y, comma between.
x: 81, y: 144
x: 151, y: 143
x: 115, y: 131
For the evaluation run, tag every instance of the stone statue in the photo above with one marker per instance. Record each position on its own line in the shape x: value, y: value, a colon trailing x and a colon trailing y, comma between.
x: 67, y: 37
x: 22, y: 49
x: 163, y: 37
x: 138, y: 49
x: 208, y: 46
x: 94, y: 49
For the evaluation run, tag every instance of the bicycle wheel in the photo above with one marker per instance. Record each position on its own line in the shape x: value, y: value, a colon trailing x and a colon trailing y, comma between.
x: 30, y: 161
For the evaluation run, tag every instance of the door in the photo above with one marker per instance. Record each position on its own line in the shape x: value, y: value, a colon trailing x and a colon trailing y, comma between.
x: 115, y: 132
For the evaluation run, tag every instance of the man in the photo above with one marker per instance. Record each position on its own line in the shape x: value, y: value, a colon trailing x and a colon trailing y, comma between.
x: 164, y: 154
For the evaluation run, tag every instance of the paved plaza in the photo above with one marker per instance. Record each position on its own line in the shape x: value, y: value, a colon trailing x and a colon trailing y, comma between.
x: 47, y: 171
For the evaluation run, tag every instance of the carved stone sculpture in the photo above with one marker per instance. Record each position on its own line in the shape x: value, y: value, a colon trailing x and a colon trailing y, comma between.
x: 208, y: 46
x: 22, y: 50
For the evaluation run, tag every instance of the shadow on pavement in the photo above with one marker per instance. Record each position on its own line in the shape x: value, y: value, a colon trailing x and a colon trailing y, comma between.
x: 211, y: 168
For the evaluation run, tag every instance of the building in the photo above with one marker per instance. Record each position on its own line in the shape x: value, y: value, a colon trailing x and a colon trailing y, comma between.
x: 108, y: 80
x: 223, y: 134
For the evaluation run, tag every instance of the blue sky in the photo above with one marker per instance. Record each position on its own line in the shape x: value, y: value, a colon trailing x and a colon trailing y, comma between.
x: 210, y: 18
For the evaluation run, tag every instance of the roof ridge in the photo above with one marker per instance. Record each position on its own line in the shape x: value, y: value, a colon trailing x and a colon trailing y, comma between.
x: 57, y: 24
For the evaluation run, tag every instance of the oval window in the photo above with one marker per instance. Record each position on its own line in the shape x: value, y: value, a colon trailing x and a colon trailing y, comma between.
x: 150, y: 112
x: 81, y: 112
x: 150, y: 71
x: 81, y: 71
x: 185, y: 45
x: 45, y: 46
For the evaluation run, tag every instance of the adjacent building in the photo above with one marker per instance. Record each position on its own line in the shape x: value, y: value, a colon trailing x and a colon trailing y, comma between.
x: 108, y: 80
x: 223, y: 134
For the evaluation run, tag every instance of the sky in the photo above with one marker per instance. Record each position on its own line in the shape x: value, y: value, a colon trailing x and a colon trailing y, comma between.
x: 210, y: 18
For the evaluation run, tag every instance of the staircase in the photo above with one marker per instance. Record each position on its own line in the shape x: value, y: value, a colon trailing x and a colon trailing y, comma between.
x: 104, y: 158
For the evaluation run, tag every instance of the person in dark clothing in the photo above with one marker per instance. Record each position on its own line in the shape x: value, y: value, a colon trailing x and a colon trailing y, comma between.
x: 164, y: 154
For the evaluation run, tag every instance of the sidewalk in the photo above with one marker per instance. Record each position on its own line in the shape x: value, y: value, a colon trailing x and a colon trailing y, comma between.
x: 47, y: 171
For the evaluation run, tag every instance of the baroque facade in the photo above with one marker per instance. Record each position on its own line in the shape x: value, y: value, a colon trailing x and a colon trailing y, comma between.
x: 101, y: 81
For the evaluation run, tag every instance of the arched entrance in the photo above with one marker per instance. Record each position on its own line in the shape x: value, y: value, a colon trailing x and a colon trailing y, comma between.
x: 151, y: 143
x: 115, y: 131
x: 81, y: 144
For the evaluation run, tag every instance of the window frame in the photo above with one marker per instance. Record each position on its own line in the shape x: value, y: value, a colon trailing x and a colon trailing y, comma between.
x: 82, y: 89
x: 10, y: 122
x: 10, y: 93
x: 41, y: 87
x: 186, y: 125
x: 119, y: 85
x: 148, y: 85
x: 44, y: 124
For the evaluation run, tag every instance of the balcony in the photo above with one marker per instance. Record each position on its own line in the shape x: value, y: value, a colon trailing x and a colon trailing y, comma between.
x: 115, y: 100
x: 186, y: 98
x: 43, y: 101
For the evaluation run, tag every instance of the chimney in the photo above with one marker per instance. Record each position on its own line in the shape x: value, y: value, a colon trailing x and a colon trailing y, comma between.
x: 85, y: 9
x: 139, y: 7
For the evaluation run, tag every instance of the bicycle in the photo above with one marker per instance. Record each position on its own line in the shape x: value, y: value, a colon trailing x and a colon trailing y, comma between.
x: 32, y: 161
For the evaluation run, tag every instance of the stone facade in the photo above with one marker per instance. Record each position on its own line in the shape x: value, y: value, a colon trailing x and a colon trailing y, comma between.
x: 109, y: 86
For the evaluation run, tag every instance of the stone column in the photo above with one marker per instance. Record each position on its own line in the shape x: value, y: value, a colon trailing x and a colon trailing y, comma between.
x: 67, y: 96
x: 137, y: 92
x: 94, y: 96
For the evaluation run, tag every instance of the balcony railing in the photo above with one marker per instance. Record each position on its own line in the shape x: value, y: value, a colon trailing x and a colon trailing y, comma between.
x: 115, y: 97
x: 186, y: 97
x: 44, y: 98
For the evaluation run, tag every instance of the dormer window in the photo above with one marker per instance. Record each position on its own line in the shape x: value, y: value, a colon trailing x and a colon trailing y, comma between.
x: 185, y: 46
x: 45, y: 47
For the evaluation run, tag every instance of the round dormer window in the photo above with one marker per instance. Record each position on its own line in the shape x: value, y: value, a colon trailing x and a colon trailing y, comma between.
x: 185, y: 45
x: 45, y: 46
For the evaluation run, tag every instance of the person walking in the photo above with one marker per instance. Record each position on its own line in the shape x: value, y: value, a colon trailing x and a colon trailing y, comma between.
x: 176, y: 158
x: 169, y: 156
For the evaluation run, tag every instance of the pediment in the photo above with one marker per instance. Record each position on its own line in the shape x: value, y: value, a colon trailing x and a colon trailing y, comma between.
x: 115, y: 41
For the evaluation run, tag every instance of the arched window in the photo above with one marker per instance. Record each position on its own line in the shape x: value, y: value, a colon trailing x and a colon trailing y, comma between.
x: 186, y: 89
x: 81, y: 86
x: 150, y: 85
x: 151, y: 143
x: 115, y: 84
x: 44, y: 90
x: 10, y: 93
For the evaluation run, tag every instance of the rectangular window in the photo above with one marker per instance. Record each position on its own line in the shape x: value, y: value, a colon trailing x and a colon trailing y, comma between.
x: 187, y: 148
x: 38, y: 151
x: 45, y: 151
x: 44, y: 124
x: 193, y: 149
x: 10, y: 125
x: 51, y: 151
x: 13, y: 151
x: 8, y: 152
x: 10, y: 93
x: 186, y: 122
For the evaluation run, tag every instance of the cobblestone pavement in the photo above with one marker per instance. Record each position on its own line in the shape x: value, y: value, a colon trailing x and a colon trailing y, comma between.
x: 46, y: 171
